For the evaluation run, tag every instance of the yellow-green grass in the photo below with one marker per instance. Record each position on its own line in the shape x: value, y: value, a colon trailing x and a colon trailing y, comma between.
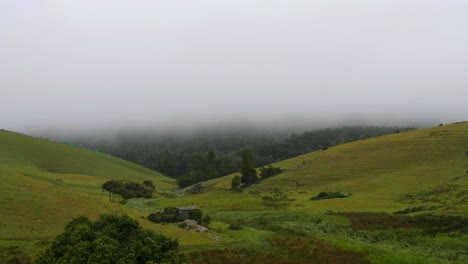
x: 49, y: 183
x: 45, y: 184
x: 376, y: 171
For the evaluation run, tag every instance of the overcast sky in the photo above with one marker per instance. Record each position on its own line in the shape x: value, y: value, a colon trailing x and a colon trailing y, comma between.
x: 96, y: 63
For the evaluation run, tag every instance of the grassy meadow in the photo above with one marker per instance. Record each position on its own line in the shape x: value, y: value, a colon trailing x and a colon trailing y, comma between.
x: 422, y: 174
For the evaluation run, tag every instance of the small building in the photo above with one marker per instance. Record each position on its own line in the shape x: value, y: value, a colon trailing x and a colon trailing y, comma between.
x: 185, y: 211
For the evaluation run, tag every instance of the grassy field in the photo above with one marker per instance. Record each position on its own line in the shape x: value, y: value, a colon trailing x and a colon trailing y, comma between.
x: 45, y: 184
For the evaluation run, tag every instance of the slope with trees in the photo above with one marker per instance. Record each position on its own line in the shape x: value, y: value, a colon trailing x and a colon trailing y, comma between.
x: 212, y: 154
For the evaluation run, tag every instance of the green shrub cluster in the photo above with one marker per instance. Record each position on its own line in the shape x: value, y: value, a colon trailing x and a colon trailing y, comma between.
x: 129, y: 189
x: 168, y: 215
x: 270, y: 171
x: 329, y: 195
x: 110, y: 239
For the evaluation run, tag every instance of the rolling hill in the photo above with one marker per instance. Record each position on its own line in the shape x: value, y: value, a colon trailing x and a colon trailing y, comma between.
x: 45, y: 184
x: 422, y: 175
x: 417, y: 173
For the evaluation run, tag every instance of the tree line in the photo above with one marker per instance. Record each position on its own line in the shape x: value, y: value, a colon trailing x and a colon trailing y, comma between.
x: 211, y: 155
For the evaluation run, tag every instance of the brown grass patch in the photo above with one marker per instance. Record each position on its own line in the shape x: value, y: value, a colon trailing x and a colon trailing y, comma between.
x: 282, y: 251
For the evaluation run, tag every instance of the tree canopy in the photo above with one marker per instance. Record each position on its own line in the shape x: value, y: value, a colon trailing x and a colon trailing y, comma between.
x: 110, y: 239
x: 249, y: 174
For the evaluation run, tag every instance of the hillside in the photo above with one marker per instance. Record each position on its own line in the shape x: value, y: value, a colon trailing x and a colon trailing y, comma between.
x: 45, y: 184
x: 422, y: 171
x: 213, y: 152
x: 377, y: 171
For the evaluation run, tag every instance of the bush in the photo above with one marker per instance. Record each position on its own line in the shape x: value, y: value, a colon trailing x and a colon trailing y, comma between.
x: 110, y: 239
x: 187, y: 181
x: 168, y: 215
x: 129, y: 189
x: 270, y: 171
x: 236, y: 182
x: 328, y: 195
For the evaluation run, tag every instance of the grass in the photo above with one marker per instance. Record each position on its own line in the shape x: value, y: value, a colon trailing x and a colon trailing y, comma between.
x: 46, y: 184
x: 417, y: 172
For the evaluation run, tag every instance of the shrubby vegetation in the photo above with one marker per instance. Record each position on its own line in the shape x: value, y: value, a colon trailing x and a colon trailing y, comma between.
x: 235, y: 183
x: 129, y: 189
x: 328, y: 195
x: 270, y: 171
x: 213, y: 154
x: 110, y: 239
x: 249, y: 174
x: 168, y: 215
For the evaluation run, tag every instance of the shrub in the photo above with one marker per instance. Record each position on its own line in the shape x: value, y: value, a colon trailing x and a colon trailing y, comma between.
x: 235, y: 182
x: 129, y: 189
x: 168, y: 215
x: 270, y: 171
x: 110, y: 239
x: 328, y: 195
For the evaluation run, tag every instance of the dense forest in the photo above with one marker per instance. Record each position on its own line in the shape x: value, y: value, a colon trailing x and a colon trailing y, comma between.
x: 204, y: 156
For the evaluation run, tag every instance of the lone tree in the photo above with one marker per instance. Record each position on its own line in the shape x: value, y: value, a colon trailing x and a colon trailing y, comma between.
x: 235, y: 182
x: 249, y: 174
x: 110, y: 239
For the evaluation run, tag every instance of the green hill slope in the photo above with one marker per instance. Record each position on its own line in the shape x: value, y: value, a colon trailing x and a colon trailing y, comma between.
x: 45, y: 184
x: 422, y: 171
x: 380, y: 173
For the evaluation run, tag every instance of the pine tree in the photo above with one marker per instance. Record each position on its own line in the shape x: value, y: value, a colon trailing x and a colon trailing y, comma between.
x: 249, y: 174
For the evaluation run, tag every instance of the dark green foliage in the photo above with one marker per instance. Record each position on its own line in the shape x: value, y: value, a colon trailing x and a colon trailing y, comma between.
x: 466, y: 152
x: 249, y: 174
x: 196, y: 215
x: 189, y: 180
x: 110, y: 239
x: 129, y: 189
x: 149, y: 184
x: 201, y: 218
x: 329, y: 195
x: 216, y: 153
x: 168, y: 215
x: 235, y: 182
x: 270, y: 171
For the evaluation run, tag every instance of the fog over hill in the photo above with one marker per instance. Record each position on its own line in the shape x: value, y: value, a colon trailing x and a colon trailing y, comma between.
x: 87, y: 66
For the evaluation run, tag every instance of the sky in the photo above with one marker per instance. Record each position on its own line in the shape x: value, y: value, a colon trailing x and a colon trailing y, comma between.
x: 113, y: 64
